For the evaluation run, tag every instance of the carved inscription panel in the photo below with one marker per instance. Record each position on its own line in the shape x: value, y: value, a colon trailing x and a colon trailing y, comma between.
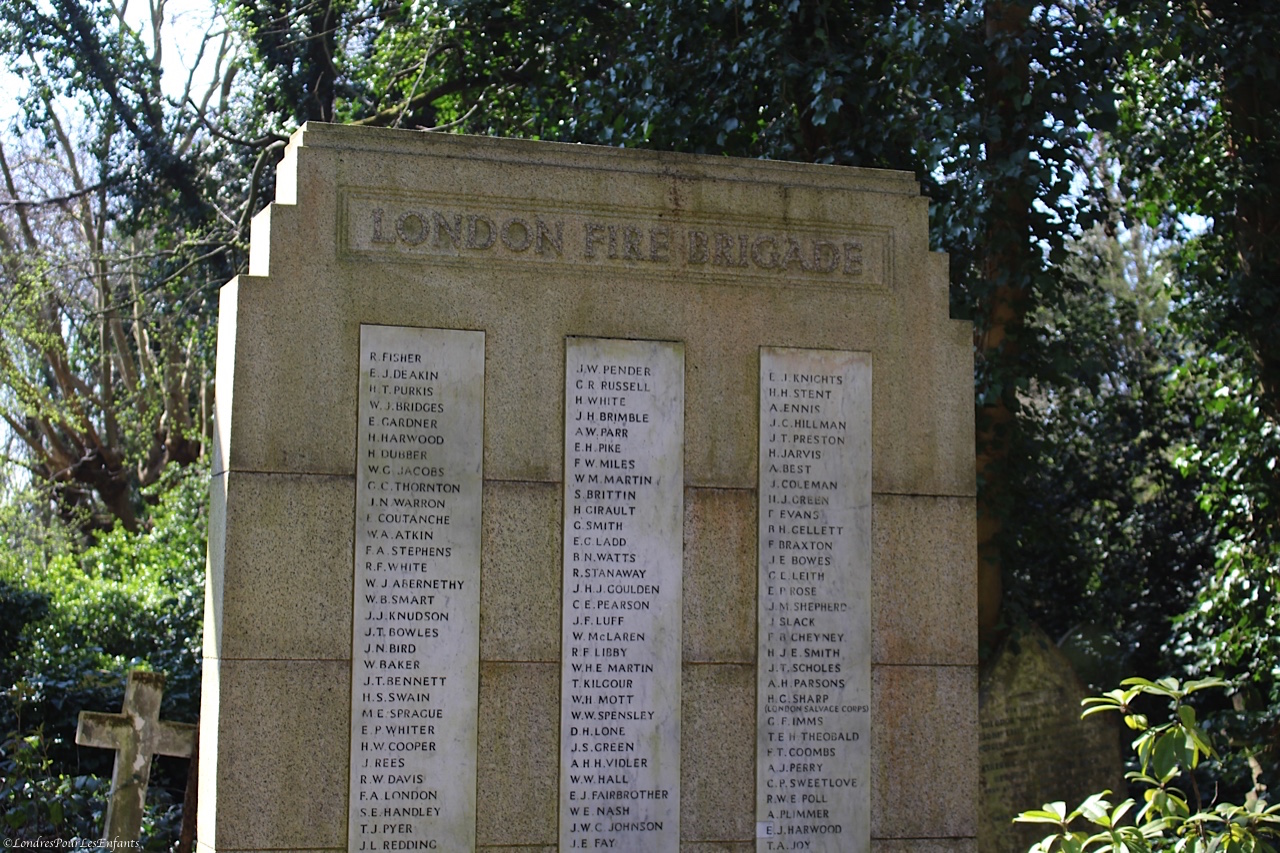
x: 620, y: 670
x: 814, y: 636
x: 416, y: 639
x: 734, y: 249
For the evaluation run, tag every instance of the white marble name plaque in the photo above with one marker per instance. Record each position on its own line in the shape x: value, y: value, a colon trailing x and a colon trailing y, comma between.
x: 813, y: 748
x: 416, y: 640
x: 623, y: 549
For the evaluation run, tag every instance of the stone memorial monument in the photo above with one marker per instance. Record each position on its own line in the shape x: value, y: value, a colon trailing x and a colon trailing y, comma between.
x: 579, y: 498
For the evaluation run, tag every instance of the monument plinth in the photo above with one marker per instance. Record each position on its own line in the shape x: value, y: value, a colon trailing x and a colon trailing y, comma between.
x: 579, y: 498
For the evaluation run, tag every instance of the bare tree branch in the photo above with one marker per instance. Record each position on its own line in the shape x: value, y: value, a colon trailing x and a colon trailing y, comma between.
x: 56, y: 200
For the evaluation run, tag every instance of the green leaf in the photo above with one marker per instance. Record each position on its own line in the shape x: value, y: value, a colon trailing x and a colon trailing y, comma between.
x: 1144, y: 745
x: 1118, y: 813
x: 1203, y: 683
x: 1167, y: 755
x: 1095, y: 809
x: 1199, y: 741
x: 1037, y: 816
x: 1055, y: 812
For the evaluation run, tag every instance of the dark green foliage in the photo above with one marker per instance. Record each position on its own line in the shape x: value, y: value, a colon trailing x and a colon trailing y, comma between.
x: 1200, y: 134
x: 1209, y: 73
x: 128, y: 600
x: 1109, y: 539
x: 42, y: 803
x: 1233, y: 625
x: 21, y: 607
x: 297, y: 45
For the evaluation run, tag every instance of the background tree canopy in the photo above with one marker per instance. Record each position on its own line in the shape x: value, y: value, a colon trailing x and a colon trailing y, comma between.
x: 1103, y: 174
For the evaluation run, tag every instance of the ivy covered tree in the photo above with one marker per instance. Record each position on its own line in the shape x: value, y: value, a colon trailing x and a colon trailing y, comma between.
x: 1199, y: 142
x: 1110, y: 542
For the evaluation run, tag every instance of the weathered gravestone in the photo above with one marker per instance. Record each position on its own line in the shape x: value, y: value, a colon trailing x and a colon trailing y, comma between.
x: 581, y: 498
x: 137, y: 734
x: 1035, y: 747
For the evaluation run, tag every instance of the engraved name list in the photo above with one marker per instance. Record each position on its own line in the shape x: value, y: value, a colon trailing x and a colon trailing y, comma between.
x: 620, y: 670
x: 415, y: 644
x: 814, y: 674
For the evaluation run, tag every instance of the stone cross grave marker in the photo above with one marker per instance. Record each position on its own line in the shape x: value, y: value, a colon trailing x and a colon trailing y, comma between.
x: 136, y: 734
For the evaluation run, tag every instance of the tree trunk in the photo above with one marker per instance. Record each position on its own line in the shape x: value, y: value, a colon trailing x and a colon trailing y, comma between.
x: 1007, y: 265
